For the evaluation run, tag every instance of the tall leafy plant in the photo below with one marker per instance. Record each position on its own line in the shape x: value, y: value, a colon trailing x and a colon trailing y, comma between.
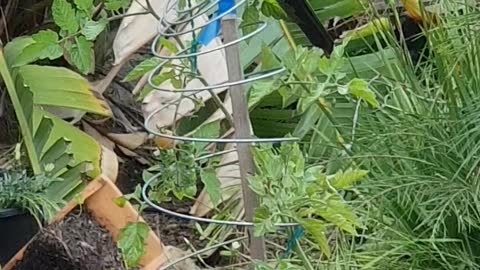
x: 54, y: 147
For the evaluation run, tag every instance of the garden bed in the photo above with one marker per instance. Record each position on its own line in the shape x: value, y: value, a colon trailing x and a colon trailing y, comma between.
x: 77, y: 242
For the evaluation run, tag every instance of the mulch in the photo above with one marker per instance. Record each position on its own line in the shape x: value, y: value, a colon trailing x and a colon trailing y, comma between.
x: 77, y: 242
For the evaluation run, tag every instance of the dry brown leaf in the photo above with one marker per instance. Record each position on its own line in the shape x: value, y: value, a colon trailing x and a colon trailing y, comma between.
x: 109, y: 164
x: 129, y: 140
x: 97, y: 136
x: 136, y: 31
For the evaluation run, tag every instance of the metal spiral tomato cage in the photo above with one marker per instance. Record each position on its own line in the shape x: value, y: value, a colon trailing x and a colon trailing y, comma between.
x: 174, y: 29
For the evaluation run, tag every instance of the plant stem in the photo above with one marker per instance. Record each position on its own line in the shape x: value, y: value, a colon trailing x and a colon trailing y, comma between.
x: 288, y: 35
x: 22, y: 119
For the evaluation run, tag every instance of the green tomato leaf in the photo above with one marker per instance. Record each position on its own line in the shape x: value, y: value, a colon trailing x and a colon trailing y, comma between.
x: 169, y: 45
x: 82, y: 55
x: 263, y: 221
x: 212, y: 185
x: 143, y: 68
x: 131, y: 242
x: 359, y: 88
x: 249, y: 18
x: 260, y: 90
x: 116, y: 5
x: 85, y: 5
x: 317, y: 229
x: 45, y: 46
x: 344, y: 180
x: 91, y: 29
x: 269, y: 60
x: 64, y: 16
x: 271, y: 8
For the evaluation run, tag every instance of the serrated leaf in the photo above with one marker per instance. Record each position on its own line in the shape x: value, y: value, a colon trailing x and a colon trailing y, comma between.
x: 92, y: 29
x: 131, y: 242
x: 212, y: 185
x: 344, y: 180
x: 81, y: 55
x: 271, y: 8
x: 263, y: 221
x: 45, y: 46
x: 85, y: 5
x: 339, y: 213
x: 317, y: 229
x: 116, y: 5
x: 359, y: 88
x: 143, y: 68
x: 64, y: 16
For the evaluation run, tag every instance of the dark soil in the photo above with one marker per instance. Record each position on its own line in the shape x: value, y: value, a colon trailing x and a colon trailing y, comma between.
x: 172, y: 230
x: 75, y: 243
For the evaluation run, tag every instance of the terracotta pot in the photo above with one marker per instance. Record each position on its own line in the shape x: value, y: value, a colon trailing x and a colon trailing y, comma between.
x: 99, y: 198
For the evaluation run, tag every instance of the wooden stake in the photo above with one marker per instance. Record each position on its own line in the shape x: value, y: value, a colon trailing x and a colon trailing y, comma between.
x: 242, y: 129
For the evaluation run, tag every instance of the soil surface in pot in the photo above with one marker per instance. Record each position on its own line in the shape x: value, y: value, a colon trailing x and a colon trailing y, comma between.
x: 77, y: 242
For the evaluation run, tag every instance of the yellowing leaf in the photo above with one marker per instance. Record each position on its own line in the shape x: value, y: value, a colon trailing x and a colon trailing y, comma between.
x: 369, y: 29
x: 317, y: 229
x: 131, y: 242
x: 344, y: 180
x: 55, y: 86
x: 359, y: 88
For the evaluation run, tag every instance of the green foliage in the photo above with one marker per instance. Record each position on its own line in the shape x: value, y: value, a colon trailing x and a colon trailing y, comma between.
x: 77, y: 33
x: 44, y: 44
x: 131, y: 242
x: 19, y: 191
x: 117, y: 5
x: 291, y: 192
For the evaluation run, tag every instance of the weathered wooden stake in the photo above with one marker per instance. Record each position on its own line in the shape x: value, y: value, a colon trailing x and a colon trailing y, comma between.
x: 242, y: 129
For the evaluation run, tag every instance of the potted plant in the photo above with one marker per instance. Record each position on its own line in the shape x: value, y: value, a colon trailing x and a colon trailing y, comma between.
x: 24, y: 205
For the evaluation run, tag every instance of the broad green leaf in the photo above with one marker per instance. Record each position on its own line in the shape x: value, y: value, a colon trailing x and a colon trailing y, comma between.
x: 64, y: 16
x: 263, y: 221
x: 208, y: 130
x: 372, y: 27
x: 311, y: 98
x: 249, y: 18
x: 269, y: 60
x: 338, y: 213
x: 156, y: 80
x: 131, y: 242
x: 260, y: 90
x: 85, y: 5
x: 56, y: 86
x: 317, y: 229
x: 45, y: 46
x: 116, y: 5
x: 256, y: 185
x: 82, y: 55
x: 359, y: 88
x: 92, y: 29
x: 344, y: 180
x: 271, y: 8
x: 143, y: 68
x: 169, y: 45
x: 15, y: 47
x: 83, y: 147
x: 212, y: 185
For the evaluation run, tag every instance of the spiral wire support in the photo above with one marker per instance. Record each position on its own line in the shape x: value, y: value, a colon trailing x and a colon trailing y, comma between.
x: 175, y: 29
